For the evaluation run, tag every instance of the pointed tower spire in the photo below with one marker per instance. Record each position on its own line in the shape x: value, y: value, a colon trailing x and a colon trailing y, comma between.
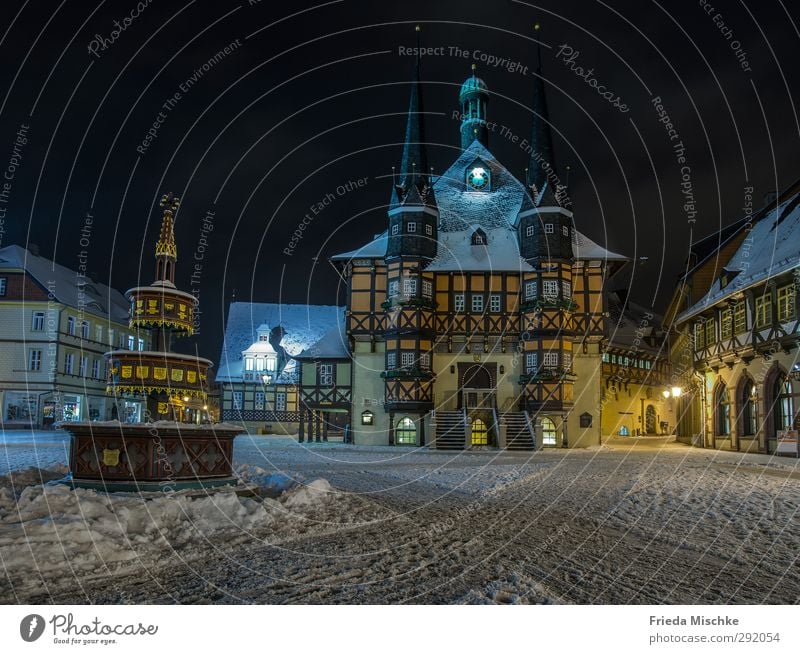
x: 542, y: 164
x: 414, y: 164
x: 166, y: 250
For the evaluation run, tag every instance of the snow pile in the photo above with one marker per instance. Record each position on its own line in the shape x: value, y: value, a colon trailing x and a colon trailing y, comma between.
x: 54, y: 528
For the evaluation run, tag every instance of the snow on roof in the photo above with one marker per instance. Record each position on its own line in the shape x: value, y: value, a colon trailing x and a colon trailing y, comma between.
x: 304, y: 325
x: 630, y: 325
x: 333, y: 345
x: 771, y: 248
x: 501, y: 252
x: 496, y: 210
x: 67, y: 286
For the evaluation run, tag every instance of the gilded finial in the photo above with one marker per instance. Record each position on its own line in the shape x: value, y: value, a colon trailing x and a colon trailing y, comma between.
x: 170, y: 202
x: 165, y: 246
x: 474, y: 68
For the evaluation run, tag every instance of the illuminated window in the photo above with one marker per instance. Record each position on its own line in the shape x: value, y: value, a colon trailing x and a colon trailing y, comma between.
x: 141, y: 344
x: 548, y: 432
x: 406, y: 432
x: 726, y: 323
x: 699, y: 335
x: 406, y: 359
x: 550, y: 288
x: 480, y: 433
x: 740, y: 318
x: 722, y: 410
x: 248, y: 363
x: 394, y: 288
x: 131, y: 342
x: 747, y: 409
x: 391, y: 360
x: 551, y: 360
x: 764, y: 310
x: 605, y: 357
x: 367, y: 418
x: 85, y: 329
x: 530, y: 290
x: 410, y: 286
x: 786, y: 310
x: 425, y: 361
x: 531, y: 362
x: 259, y: 364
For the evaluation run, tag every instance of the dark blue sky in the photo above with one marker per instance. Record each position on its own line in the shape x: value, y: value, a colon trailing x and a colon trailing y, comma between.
x: 308, y: 98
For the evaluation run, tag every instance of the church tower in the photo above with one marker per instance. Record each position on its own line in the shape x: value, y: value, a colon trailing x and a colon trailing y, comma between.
x: 473, y: 99
x: 411, y: 245
x: 545, y: 232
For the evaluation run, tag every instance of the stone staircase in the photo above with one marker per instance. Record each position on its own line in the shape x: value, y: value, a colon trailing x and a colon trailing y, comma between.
x: 519, y: 435
x: 450, y: 430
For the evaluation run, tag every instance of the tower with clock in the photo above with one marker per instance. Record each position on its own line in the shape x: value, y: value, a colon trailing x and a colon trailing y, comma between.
x: 478, y: 313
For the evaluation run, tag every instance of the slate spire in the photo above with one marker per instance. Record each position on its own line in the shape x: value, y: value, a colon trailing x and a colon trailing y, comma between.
x: 542, y: 163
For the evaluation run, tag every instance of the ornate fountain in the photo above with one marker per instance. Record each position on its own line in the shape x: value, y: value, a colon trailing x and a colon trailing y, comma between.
x: 176, y: 445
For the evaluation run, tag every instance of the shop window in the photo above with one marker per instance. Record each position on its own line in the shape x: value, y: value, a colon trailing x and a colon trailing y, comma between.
x: 405, y: 432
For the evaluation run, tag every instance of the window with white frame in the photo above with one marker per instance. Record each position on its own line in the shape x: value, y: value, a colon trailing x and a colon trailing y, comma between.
x: 3, y: 285
x: 71, y: 325
x: 69, y: 363
x: 96, y: 369
x: 494, y: 303
x: 131, y: 342
x: 530, y: 290
x: 37, y: 321
x: 35, y: 360
x: 141, y: 345
x: 248, y: 363
x: 326, y: 374
x: 531, y: 362
x: 566, y: 289
x: 394, y: 287
x: 98, y: 333
x: 477, y: 303
x: 406, y: 359
x: 458, y: 302
x: 83, y: 366
x: 551, y: 360
x: 259, y: 364
x: 237, y: 400
x: 410, y: 286
x: 259, y: 400
x: 567, y: 361
x: 412, y: 227
x: 391, y: 360
x: 529, y: 230
x: 786, y: 310
x: 548, y: 228
x: 428, y: 230
x: 280, y: 401
x: 565, y: 230
x: 427, y: 288
x: 425, y: 361
x: 85, y: 329
x: 395, y: 230
x: 111, y: 337
x: 550, y: 288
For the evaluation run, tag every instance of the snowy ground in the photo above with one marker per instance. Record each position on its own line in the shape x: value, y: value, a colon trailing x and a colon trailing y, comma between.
x: 618, y: 524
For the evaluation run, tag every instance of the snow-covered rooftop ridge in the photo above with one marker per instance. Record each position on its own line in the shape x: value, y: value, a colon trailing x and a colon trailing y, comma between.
x: 501, y: 252
x: 68, y: 287
x: 771, y: 248
x: 461, y: 210
x: 333, y: 345
x: 304, y: 325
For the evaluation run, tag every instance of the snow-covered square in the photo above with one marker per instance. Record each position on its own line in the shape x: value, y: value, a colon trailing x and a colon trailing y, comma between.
x: 636, y: 521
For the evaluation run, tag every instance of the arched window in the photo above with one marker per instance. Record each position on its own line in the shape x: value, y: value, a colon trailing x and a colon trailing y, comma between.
x: 548, y: 432
x: 722, y: 411
x: 650, y: 419
x: 406, y: 432
x: 480, y: 433
x: 623, y: 431
x: 748, y: 417
x: 784, y: 404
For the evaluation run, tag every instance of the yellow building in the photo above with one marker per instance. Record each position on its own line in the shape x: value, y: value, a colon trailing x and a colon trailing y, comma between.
x: 480, y: 312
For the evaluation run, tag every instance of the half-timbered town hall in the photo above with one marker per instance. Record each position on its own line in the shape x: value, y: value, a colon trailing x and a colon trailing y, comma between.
x: 479, y: 316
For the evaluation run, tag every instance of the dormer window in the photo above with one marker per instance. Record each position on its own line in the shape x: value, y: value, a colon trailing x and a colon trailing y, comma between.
x: 479, y: 237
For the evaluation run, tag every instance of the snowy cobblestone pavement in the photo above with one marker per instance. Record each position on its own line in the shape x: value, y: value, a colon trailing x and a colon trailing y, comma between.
x: 617, y: 524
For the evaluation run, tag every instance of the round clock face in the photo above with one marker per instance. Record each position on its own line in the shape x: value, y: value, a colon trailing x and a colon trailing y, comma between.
x: 478, y: 178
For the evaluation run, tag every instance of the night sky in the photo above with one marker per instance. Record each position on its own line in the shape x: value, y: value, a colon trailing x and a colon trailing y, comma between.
x: 312, y: 96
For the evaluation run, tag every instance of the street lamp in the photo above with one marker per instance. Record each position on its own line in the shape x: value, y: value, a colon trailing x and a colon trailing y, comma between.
x: 676, y: 391
x: 666, y: 393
